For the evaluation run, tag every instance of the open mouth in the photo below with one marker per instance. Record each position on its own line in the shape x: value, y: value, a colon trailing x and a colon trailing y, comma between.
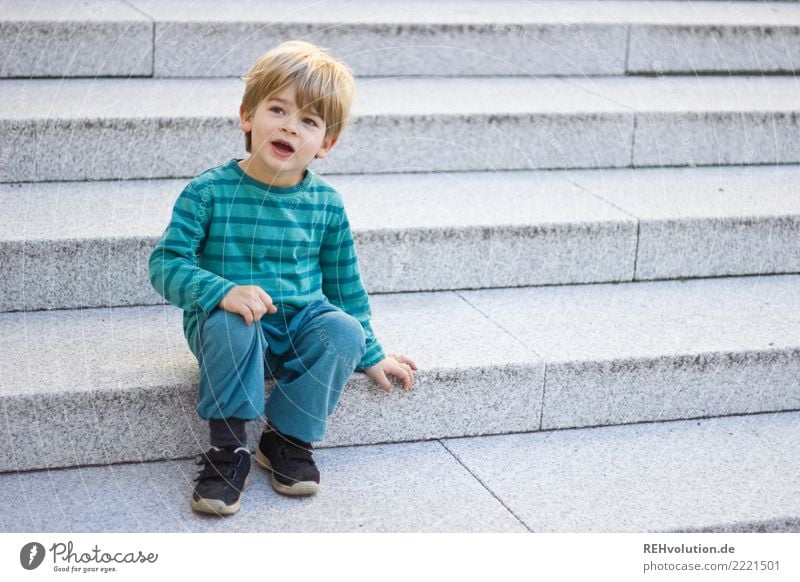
x: 283, y: 147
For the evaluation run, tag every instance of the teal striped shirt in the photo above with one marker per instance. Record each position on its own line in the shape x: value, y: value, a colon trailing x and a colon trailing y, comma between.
x: 229, y: 229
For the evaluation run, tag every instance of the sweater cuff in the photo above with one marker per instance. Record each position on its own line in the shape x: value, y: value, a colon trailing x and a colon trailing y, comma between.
x: 371, y: 358
x: 214, y: 292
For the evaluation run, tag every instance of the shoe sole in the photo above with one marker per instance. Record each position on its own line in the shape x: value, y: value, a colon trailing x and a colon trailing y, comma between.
x: 295, y: 490
x: 217, y: 506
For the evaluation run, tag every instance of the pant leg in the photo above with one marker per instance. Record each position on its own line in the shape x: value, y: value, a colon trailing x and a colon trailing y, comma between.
x: 231, y: 358
x: 318, y: 353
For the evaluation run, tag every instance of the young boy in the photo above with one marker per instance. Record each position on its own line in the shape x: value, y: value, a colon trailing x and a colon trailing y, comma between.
x: 260, y: 256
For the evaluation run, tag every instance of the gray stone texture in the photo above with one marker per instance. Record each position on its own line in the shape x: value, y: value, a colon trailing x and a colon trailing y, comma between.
x: 165, y: 128
x: 417, y: 125
x: 61, y: 38
x: 657, y: 351
x: 168, y: 128
x: 120, y: 384
x: 733, y: 474
x: 479, y: 229
x: 723, y: 474
x: 465, y: 37
x: 703, y: 37
x: 688, y: 121
x: 742, y: 137
x: 474, y: 377
x: 391, y: 38
x: 112, y: 129
x: 416, y: 487
x: 69, y: 245
x: 81, y: 244
x: 705, y: 222
x: 777, y: 525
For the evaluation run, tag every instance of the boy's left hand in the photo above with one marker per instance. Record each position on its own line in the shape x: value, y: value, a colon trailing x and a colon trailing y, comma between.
x: 397, y: 365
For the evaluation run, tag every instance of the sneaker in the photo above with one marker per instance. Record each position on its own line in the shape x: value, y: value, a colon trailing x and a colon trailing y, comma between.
x: 290, y: 461
x: 220, y: 483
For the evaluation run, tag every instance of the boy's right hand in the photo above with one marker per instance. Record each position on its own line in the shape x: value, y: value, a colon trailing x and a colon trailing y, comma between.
x: 249, y: 301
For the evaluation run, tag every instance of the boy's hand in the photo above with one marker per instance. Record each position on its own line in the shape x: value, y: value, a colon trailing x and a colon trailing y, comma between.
x: 249, y: 301
x: 400, y: 366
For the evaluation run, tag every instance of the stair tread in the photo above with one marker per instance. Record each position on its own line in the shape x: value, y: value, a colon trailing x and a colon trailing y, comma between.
x: 133, y: 347
x: 722, y: 474
x: 398, y: 11
x: 150, y: 128
x: 64, y: 11
x: 90, y: 99
x: 41, y: 211
x: 143, y: 347
x: 87, y: 99
x: 673, y: 476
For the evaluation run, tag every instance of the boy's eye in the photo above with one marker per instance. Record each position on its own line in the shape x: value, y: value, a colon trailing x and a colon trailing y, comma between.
x: 310, y: 121
x: 276, y: 109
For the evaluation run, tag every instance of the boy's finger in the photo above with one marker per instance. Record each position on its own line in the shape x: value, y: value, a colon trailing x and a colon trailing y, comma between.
x: 254, y: 312
x: 408, y: 361
x: 265, y: 298
x: 405, y: 376
x: 385, y: 383
x: 248, y: 315
x: 407, y: 385
x: 262, y: 309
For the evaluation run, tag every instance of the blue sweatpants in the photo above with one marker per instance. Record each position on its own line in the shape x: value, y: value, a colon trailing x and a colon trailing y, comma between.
x: 311, y: 359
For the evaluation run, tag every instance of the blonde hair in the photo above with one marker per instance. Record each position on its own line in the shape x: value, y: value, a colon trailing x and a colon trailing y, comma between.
x: 322, y: 83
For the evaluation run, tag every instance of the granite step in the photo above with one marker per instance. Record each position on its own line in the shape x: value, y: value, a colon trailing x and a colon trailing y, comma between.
x: 61, y: 38
x: 82, y: 129
x: 87, y: 244
x: 185, y: 38
x: 98, y: 386
x: 733, y: 474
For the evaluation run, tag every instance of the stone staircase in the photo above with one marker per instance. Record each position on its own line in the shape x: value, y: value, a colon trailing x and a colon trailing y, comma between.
x: 570, y: 214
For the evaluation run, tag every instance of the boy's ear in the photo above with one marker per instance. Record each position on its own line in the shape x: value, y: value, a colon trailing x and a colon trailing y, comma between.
x: 327, y: 146
x: 244, y: 119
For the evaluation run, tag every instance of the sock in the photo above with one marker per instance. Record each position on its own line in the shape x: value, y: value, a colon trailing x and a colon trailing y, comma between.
x: 228, y: 433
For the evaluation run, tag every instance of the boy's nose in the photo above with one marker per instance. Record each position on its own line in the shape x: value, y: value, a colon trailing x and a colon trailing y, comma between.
x: 288, y: 126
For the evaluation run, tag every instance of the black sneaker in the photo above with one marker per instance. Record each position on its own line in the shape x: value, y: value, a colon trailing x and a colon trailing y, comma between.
x: 290, y: 461
x: 220, y: 483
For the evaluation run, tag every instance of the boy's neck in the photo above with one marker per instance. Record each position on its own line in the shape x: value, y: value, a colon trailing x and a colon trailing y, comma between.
x: 252, y: 170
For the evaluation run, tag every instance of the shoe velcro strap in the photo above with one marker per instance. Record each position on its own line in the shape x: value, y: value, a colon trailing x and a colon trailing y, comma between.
x: 298, y: 456
x: 217, y: 464
x: 221, y: 457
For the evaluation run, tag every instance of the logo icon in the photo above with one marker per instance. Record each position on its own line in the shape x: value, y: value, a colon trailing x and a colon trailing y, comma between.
x: 31, y: 556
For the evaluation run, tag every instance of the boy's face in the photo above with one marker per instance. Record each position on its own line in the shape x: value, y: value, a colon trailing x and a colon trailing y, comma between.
x: 284, y: 140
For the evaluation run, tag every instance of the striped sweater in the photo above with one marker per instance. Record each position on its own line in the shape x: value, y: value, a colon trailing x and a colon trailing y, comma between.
x: 229, y: 229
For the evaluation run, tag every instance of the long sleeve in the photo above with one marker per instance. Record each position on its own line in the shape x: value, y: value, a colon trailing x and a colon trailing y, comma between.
x: 175, y: 270
x: 341, y: 283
